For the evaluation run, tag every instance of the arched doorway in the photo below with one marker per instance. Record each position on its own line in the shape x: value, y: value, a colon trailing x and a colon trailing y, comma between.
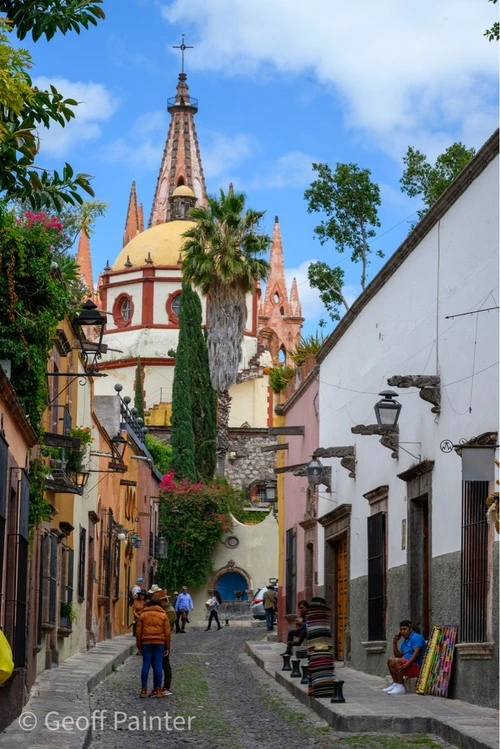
x: 232, y: 586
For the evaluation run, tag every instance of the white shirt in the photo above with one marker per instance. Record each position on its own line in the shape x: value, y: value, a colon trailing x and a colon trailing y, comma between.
x: 136, y: 589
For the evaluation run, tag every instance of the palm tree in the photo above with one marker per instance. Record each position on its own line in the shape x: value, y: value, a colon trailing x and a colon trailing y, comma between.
x: 222, y: 257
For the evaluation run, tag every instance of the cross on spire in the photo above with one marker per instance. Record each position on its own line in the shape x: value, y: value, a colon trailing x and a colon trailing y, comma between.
x: 182, y: 48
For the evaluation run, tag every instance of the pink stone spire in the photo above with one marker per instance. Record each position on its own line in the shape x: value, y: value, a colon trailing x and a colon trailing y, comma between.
x: 295, y: 308
x: 84, y: 260
x: 134, y: 223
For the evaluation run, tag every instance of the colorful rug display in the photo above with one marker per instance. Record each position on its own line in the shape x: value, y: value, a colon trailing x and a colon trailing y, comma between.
x: 435, y: 672
x: 319, y: 650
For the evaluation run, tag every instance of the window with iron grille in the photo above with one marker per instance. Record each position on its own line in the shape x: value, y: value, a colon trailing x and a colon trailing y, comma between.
x: 52, y: 579
x: 20, y: 603
x: 81, y: 563
x: 44, y: 564
x: 116, y: 568
x: 67, y: 564
x: 291, y: 571
x: 4, y: 461
x: 475, y: 571
x: 377, y: 576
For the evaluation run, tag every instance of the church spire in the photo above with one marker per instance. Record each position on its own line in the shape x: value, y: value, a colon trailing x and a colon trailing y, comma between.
x: 181, y: 161
x: 276, y: 284
x: 280, y: 318
x: 134, y: 223
x: 295, y: 308
x: 84, y: 260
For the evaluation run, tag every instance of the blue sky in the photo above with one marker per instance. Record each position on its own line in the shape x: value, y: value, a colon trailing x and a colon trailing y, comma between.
x: 280, y: 84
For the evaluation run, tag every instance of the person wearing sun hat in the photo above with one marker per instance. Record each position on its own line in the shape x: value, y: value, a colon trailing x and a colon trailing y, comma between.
x: 137, y: 587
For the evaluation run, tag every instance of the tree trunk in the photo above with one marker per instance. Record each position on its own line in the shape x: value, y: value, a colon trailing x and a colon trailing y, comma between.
x: 223, y: 410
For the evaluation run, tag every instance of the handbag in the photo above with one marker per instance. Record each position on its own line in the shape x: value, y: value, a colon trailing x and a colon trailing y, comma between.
x: 6, y: 662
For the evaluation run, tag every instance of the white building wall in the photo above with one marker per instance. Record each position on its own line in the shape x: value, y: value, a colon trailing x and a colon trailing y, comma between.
x: 134, y: 290
x: 404, y: 330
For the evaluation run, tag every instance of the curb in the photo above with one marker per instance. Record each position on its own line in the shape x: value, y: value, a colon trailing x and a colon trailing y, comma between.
x: 67, y: 689
x: 443, y: 729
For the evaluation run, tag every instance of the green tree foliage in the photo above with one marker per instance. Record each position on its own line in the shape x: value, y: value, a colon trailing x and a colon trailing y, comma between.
x: 138, y: 391
x: 192, y: 518
x: 25, y: 108
x: 493, y: 33
x: 349, y: 201
x: 182, y: 440
x: 222, y: 257
x: 429, y: 181
x: 279, y: 377
x: 160, y: 452
x: 33, y: 299
x: 307, y: 346
x: 45, y: 17
x: 203, y: 398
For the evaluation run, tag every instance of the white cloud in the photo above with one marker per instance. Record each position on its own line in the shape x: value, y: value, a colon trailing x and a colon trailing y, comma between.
x: 95, y: 106
x: 146, y: 140
x: 404, y: 72
x: 293, y: 169
x: 223, y: 153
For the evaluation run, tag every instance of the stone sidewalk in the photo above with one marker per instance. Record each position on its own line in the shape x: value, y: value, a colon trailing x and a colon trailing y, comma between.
x: 64, y: 692
x: 368, y: 709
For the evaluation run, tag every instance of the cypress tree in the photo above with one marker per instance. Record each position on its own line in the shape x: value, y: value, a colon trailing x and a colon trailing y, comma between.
x: 138, y: 392
x: 203, y: 397
x: 183, y: 449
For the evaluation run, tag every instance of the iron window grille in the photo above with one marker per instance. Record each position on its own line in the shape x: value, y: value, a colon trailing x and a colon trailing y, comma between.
x: 377, y: 576
x: 475, y: 572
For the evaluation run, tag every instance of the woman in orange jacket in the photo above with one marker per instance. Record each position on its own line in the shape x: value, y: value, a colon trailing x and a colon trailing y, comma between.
x: 153, y: 642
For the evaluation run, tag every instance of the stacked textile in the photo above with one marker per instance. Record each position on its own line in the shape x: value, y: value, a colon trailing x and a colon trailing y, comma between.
x: 319, y: 649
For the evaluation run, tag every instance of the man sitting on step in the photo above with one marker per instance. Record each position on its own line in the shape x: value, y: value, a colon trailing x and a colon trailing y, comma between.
x: 408, y: 647
x: 297, y: 635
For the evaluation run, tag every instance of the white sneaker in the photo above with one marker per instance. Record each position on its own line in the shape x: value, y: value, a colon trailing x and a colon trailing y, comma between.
x: 397, y: 689
x: 389, y: 688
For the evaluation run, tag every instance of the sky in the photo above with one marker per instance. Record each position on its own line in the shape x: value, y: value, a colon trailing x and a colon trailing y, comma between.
x: 280, y: 84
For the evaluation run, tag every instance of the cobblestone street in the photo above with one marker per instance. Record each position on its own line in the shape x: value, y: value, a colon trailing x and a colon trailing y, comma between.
x: 232, y: 704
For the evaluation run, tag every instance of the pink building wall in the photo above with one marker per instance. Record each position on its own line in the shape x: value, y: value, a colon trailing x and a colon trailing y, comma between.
x: 300, y: 409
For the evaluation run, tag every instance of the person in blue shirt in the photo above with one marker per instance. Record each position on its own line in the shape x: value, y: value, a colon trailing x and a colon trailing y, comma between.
x: 183, y: 606
x: 408, y: 648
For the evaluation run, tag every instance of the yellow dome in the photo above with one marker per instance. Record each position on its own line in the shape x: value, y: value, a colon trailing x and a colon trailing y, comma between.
x: 183, y: 191
x: 162, y: 242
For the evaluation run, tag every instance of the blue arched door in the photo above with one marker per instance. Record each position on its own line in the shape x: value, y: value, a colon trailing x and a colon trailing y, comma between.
x: 229, y: 584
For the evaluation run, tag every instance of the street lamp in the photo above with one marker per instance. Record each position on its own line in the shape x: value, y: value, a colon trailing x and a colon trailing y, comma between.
x: 387, y: 410
x: 314, y: 470
x: 270, y: 490
x: 91, y: 350
x: 162, y: 548
x: 118, y: 445
x: 80, y: 478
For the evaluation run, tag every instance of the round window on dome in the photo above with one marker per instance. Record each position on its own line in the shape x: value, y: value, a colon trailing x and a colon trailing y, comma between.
x: 123, y: 311
x: 173, y: 307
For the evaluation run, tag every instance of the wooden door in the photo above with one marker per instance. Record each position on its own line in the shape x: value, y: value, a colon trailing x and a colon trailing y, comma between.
x: 341, y: 598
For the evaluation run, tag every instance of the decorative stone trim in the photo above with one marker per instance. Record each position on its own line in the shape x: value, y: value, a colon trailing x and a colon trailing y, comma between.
x: 475, y: 651
x: 389, y: 436
x: 417, y: 470
x: 429, y: 386
x: 336, y: 522
x: 377, y: 495
x: 373, y: 647
x: 346, y: 453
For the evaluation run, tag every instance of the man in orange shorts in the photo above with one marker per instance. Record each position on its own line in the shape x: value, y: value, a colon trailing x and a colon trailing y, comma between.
x: 408, y: 647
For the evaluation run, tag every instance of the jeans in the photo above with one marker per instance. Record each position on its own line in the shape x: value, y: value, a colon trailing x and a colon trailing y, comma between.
x: 152, y: 655
x: 167, y: 672
x: 269, y: 618
x: 213, y: 615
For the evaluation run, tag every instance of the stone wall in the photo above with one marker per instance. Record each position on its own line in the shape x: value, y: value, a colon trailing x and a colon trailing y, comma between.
x: 245, y: 463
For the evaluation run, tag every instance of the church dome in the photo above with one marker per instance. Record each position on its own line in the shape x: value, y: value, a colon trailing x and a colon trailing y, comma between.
x: 183, y: 191
x: 161, y: 242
